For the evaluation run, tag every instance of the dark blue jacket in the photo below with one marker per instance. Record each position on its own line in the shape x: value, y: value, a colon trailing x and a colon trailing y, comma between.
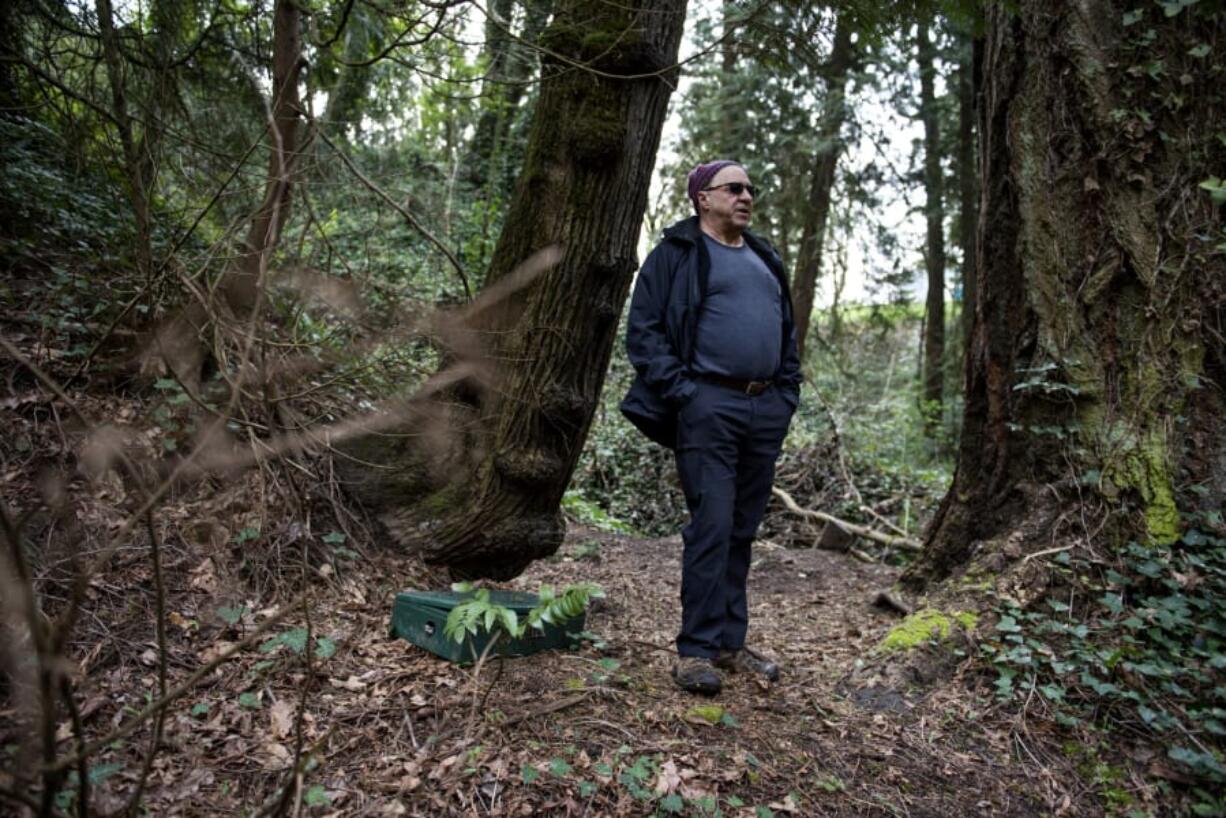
x: 663, y: 325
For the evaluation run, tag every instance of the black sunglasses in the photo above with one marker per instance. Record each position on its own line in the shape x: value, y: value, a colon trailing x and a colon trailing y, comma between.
x: 736, y: 188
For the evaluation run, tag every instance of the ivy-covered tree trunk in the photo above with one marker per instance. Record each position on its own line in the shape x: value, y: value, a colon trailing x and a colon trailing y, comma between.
x: 821, y: 182
x: 477, y: 481
x: 1096, y: 374
x: 934, y: 214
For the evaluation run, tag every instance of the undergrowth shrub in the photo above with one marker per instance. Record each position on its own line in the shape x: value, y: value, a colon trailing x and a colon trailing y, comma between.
x: 1132, y: 647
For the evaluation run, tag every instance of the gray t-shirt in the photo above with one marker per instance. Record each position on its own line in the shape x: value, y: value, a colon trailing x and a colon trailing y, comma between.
x: 741, y: 323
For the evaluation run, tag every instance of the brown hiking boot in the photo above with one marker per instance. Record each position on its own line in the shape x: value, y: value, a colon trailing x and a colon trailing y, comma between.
x: 746, y: 660
x: 697, y: 675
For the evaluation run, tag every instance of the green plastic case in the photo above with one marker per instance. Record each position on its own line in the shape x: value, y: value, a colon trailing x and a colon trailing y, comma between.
x: 419, y: 617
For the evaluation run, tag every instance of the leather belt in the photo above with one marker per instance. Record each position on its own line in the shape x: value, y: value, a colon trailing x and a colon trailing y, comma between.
x: 751, y: 388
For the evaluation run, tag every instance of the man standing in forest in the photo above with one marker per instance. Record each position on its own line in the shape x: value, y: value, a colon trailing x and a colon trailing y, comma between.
x: 712, y: 338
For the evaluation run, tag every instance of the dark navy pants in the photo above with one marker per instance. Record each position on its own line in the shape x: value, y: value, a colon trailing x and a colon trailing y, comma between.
x: 727, y: 444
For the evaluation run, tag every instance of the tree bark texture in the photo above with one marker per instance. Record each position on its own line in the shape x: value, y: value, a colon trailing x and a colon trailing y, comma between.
x: 1096, y: 371
x: 240, y: 286
x: 825, y: 163
x: 477, y: 481
x: 934, y: 215
x: 968, y: 175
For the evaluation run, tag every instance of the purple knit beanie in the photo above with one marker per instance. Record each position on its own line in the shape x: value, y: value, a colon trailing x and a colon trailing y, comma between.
x: 702, y: 175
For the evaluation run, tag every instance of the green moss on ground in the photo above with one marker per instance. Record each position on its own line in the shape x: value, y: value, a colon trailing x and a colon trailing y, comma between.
x: 924, y: 626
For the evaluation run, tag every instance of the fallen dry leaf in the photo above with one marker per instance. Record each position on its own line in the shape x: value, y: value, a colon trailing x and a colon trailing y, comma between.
x: 282, y: 717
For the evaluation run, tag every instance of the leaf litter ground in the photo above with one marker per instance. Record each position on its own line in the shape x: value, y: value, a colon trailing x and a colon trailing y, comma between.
x: 376, y: 726
x: 597, y: 731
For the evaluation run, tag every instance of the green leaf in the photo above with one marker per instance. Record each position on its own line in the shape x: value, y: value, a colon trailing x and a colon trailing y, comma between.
x: 528, y: 773
x: 1008, y: 624
x: 510, y: 620
x: 1201, y: 51
x: 200, y: 709
x: 763, y: 812
x: 317, y: 796
x: 232, y: 614
x: 294, y: 639
x: 249, y: 700
x: 735, y: 801
x: 558, y: 767
x: 586, y: 788
x: 672, y: 803
x: 325, y: 648
x: 334, y: 538
x: 102, y: 772
x: 246, y: 535
x: 1216, y: 188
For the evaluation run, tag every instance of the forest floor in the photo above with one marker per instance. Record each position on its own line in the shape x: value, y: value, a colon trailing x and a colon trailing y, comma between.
x: 599, y: 731
x: 364, y: 724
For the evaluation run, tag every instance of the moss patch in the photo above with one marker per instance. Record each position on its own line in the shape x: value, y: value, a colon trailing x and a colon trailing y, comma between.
x: 924, y: 626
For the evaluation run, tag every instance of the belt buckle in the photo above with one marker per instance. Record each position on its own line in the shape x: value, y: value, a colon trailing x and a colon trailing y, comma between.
x: 755, y: 388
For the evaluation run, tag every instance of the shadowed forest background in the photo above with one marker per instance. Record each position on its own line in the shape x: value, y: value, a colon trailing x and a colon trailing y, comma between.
x: 307, y: 303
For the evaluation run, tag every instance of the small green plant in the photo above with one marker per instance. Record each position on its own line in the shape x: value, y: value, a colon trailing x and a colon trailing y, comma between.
x: 296, y: 640
x: 480, y: 613
x: 1140, y: 645
x: 589, y: 513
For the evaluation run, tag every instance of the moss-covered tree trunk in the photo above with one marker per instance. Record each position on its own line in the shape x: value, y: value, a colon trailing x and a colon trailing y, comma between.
x: 1096, y: 373
x: 821, y: 181
x: 477, y: 482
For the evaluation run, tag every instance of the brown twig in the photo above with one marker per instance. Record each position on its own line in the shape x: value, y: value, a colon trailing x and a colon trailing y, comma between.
x: 553, y: 707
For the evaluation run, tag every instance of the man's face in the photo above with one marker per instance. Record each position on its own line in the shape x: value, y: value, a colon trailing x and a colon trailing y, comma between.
x: 721, y: 207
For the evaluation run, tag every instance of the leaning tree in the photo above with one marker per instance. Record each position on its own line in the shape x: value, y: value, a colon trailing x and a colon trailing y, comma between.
x: 474, y: 476
x: 1097, y: 363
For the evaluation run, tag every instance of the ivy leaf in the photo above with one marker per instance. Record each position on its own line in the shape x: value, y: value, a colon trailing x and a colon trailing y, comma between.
x: 528, y: 773
x: 672, y: 803
x: 325, y: 648
x: 316, y: 796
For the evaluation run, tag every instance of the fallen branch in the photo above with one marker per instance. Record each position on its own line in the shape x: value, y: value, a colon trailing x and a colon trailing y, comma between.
x: 867, y: 533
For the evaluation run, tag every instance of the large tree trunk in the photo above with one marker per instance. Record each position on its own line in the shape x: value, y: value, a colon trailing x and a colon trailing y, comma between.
x: 934, y: 213
x: 1097, y: 365
x: 821, y: 182
x: 477, y: 482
